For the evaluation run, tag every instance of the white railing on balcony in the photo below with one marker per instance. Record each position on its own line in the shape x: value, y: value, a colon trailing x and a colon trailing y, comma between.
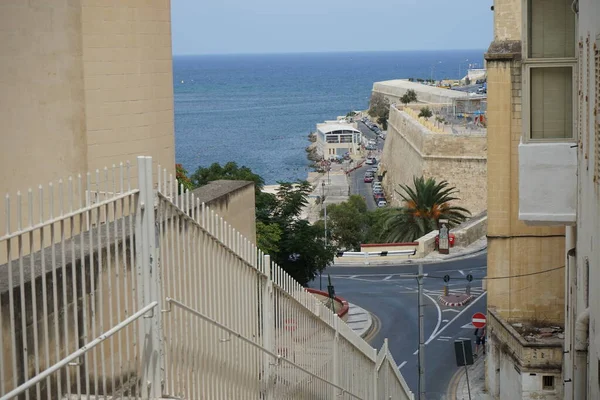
x: 147, y: 293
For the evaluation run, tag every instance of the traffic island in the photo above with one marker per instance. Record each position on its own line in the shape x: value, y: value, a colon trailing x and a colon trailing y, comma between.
x: 455, y: 300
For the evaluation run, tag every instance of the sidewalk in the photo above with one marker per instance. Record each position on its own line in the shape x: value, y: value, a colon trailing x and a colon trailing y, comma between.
x: 476, y: 382
x: 359, y: 320
x: 456, y: 253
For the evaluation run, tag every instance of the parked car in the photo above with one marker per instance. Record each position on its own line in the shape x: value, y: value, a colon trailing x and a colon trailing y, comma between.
x: 373, y: 170
x: 381, y: 203
x: 368, y: 178
x: 372, y: 161
x: 377, y: 190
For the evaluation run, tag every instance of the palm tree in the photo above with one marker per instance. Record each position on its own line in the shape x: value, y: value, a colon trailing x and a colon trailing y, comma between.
x: 425, y: 204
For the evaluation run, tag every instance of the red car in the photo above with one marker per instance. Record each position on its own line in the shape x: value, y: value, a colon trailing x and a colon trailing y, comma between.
x: 368, y: 179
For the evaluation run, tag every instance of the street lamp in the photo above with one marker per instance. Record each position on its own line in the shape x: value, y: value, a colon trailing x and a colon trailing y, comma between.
x: 433, y: 70
x: 325, y: 220
x: 459, y: 68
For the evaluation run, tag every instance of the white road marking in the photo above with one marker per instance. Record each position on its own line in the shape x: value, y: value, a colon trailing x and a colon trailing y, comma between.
x: 415, y: 353
x: 353, y: 276
x: 468, y: 326
x: 457, y: 315
x: 444, y: 340
x: 445, y: 337
x: 439, y: 316
x: 387, y: 278
x: 462, y: 273
x: 402, y: 365
x: 464, y: 338
x: 450, y: 310
x: 444, y: 320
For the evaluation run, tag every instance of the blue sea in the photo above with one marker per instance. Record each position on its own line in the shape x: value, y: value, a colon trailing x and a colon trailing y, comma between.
x: 258, y: 109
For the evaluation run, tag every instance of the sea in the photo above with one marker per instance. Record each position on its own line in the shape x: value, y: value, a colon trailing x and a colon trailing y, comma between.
x: 258, y: 109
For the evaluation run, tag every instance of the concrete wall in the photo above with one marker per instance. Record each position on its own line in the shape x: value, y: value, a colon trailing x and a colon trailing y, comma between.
x: 84, y: 84
x: 394, y: 89
x: 513, y: 247
x: 411, y: 150
x: 234, y: 201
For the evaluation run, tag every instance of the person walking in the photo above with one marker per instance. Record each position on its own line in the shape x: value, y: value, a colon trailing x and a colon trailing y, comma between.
x: 479, y: 339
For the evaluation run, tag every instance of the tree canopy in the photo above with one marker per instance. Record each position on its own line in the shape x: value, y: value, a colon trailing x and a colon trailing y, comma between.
x: 347, y: 223
x: 424, y: 204
x: 379, y: 109
x: 409, y: 97
x: 425, y: 112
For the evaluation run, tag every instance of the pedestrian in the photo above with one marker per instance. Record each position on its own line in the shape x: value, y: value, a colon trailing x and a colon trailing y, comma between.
x: 479, y: 339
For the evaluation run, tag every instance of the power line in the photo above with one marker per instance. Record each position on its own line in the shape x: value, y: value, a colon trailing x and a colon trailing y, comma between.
x: 506, y: 277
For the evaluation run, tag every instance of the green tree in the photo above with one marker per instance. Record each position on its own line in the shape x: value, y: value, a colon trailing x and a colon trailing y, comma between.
x: 268, y: 237
x: 347, y: 223
x: 412, y: 95
x: 425, y: 113
x: 230, y: 171
x: 376, y: 225
x: 379, y: 108
x: 181, y: 175
x: 424, y: 204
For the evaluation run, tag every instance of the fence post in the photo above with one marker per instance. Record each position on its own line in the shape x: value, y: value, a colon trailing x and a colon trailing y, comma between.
x: 268, y: 328
x: 148, y: 284
x: 375, y: 376
x: 336, y: 357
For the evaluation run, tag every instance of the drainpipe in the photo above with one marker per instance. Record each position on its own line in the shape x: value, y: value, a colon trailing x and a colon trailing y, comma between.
x: 581, y: 353
x: 570, y: 310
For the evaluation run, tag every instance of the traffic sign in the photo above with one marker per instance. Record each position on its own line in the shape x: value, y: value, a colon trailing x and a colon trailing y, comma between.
x: 290, y: 325
x: 478, y: 320
x: 446, y: 278
x: 469, y: 277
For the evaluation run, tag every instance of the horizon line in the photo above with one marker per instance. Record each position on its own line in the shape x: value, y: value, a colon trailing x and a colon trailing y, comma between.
x: 322, y: 52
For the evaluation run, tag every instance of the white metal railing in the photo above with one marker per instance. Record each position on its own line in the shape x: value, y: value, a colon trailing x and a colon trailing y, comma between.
x: 101, y: 247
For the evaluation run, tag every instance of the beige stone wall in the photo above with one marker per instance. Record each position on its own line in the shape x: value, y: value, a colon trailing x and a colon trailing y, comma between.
x: 513, y: 247
x: 507, y: 20
x: 128, y: 79
x: 411, y: 150
x: 41, y: 95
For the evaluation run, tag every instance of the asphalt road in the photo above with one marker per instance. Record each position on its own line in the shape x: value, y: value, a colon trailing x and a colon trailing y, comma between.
x: 392, y: 297
x: 357, y: 185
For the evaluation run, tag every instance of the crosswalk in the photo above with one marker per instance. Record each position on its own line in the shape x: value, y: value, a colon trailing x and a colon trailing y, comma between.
x: 474, y: 291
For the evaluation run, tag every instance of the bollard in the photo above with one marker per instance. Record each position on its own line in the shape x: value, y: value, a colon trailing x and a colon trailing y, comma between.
x: 445, y: 290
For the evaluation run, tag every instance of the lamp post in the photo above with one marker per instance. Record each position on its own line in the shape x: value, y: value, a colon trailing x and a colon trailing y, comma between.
x: 325, y: 219
x: 433, y: 70
x: 460, y: 69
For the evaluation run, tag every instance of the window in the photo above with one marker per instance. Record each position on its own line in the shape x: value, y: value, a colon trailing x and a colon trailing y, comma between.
x: 549, y: 62
x: 547, y: 382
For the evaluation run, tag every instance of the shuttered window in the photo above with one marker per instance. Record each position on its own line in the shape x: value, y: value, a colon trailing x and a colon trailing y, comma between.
x: 549, y: 69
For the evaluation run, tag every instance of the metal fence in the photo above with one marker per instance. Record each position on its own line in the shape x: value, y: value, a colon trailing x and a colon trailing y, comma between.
x: 147, y: 293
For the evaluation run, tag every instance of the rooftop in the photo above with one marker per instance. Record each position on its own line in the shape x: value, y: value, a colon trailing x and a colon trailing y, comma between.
x: 328, y: 128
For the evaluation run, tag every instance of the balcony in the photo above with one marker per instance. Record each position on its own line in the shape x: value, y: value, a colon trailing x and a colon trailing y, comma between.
x: 547, y: 183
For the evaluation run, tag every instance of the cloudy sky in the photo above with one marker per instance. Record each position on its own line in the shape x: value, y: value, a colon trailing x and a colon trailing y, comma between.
x: 284, y: 26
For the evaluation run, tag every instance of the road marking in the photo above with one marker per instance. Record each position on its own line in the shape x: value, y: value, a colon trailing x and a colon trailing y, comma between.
x: 468, y: 326
x: 415, y: 353
x: 444, y: 320
x: 445, y: 337
x: 464, y: 338
x: 462, y: 273
x: 457, y: 315
x: 444, y: 340
x: 387, y: 278
x: 450, y: 310
x: 353, y: 276
x: 439, y: 315
x: 402, y: 365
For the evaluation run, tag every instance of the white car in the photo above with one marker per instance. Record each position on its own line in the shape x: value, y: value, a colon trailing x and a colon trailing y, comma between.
x: 381, y: 203
x: 377, y: 190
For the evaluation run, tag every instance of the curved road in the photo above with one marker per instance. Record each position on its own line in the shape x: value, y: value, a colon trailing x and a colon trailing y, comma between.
x: 392, y: 297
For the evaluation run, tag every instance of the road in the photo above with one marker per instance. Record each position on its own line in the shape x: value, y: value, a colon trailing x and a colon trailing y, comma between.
x: 392, y: 297
x: 357, y: 185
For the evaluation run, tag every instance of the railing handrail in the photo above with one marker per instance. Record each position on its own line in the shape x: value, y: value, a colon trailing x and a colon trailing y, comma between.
x: 78, y: 353
x: 65, y: 216
x: 278, y: 357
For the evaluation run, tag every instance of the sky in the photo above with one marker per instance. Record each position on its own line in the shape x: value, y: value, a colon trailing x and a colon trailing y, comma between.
x: 284, y: 26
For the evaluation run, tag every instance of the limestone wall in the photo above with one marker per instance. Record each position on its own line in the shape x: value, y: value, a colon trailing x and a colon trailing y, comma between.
x: 394, y: 89
x: 412, y: 150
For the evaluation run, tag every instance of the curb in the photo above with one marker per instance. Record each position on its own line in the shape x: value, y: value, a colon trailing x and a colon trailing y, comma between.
x: 345, y: 305
x: 414, y: 261
x: 455, y: 304
x: 368, y: 325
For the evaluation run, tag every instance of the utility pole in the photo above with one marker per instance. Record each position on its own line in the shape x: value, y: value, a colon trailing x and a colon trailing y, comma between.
x: 325, y: 215
x: 421, y: 336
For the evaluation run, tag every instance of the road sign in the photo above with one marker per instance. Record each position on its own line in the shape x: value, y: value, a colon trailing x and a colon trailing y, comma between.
x: 290, y: 325
x: 478, y: 320
x: 469, y: 277
x: 446, y: 278
x: 463, y: 352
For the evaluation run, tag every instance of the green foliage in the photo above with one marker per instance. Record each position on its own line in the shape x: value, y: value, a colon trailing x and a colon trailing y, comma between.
x: 268, y: 237
x: 409, y: 97
x: 347, y: 223
x: 351, y: 114
x: 379, y: 107
x: 382, y: 120
x: 230, y: 171
x: 376, y: 225
x: 181, y: 175
x: 424, y: 204
x: 425, y: 113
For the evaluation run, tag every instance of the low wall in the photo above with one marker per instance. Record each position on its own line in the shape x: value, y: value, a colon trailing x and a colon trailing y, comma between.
x: 411, y: 150
x: 396, y: 88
